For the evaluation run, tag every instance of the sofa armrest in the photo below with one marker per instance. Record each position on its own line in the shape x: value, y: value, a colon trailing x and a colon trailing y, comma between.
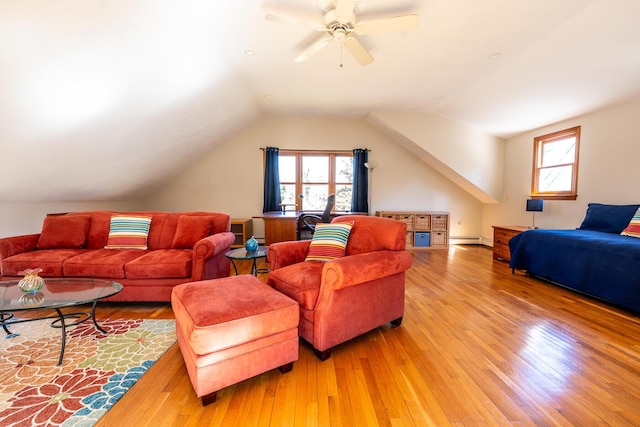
x: 10, y: 246
x: 213, y: 245
x: 361, y: 268
x: 209, y: 261
x: 282, y: 254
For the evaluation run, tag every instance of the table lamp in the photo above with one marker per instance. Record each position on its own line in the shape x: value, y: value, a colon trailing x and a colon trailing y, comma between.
x: 534, y: 205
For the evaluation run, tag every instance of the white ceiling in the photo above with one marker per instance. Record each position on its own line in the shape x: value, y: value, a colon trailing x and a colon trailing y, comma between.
x: 107, y: 99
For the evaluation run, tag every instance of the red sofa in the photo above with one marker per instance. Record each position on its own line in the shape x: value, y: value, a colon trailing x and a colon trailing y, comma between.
x: 182, y: 247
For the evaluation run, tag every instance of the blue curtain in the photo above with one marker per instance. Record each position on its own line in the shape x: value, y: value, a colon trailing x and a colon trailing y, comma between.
x: 272, y: 198
x: 360, y: 190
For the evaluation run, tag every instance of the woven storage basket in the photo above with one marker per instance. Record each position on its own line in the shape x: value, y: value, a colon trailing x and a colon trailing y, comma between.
x: 422, y: 222
x: 438, y: 222
x: 409, y: 239
x: 390, y: 216
x: 438, y: 238
x: 407, y: 219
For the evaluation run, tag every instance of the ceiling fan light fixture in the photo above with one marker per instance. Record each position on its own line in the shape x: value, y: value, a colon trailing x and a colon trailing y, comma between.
x: 340, y: 23
x: 339, y: 33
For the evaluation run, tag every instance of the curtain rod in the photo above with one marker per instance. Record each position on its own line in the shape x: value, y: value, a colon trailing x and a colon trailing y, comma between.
x: 318, y: 151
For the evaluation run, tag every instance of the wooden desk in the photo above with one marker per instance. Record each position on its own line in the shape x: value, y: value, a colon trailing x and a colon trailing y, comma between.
x: 279, y: 226
x: 282, y: 226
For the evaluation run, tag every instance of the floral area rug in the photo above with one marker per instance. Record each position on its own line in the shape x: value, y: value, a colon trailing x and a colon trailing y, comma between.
x: 97, y: 369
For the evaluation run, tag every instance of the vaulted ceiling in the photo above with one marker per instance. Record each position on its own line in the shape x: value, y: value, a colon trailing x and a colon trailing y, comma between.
x: 106, y: 100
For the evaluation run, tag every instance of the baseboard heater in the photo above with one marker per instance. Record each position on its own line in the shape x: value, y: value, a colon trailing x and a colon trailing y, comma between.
x: 462, y: 240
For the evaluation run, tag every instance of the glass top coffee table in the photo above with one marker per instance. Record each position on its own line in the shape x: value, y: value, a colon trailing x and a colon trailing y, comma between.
x: 56, y: 294
x: 243, y: 254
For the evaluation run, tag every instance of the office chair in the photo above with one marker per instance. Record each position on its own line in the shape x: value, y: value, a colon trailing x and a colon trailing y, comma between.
x: 307, y: 221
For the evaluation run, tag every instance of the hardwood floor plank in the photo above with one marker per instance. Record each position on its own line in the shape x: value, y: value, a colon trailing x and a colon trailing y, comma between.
x: 326, y: 387
x: 478, y: 346
x: 266, y: 406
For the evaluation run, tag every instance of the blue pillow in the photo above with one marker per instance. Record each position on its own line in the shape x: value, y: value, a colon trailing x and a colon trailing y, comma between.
x: 608, y: 218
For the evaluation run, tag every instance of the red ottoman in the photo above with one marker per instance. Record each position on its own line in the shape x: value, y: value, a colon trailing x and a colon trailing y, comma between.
x: 232, y: 329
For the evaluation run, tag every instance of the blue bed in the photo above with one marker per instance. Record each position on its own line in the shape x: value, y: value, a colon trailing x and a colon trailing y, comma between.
x: 593, y: 259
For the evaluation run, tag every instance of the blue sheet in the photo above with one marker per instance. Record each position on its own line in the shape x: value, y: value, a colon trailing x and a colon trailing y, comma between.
x: 602, y: 265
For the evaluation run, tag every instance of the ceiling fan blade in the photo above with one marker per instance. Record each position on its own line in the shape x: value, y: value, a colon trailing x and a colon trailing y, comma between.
x: 357, y: 50
x: 313, y: 48
x: 344, y: 9
x: 405, y: 22
x: 296, y: 18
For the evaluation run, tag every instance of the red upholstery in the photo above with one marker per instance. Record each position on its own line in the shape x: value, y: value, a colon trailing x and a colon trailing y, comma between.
x: 232, y: 329
x: 190, y: 229
x: 101, y: 263
x: 49, y: 260
x: 62, y: 232
x: 161, y: 263
x: 348, y: 296
x: 300, y: 281
x: 147, y: 275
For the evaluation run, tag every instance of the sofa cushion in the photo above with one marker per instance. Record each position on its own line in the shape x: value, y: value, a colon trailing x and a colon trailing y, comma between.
x: 104, y: 263
x: 98, y: 228
x: 165, y: 263
x: 370, y: 234
x: 608, y: 218
x: 300, y: 282
x: 128, y: 232
x: 329, y: 241
x: 64, y: 232
x: 190, y: 229
x: 51, y: 261
x: 633, y: 228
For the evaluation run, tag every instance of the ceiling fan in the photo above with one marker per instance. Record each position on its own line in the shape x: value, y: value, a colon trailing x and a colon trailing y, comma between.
x: 340, y: 24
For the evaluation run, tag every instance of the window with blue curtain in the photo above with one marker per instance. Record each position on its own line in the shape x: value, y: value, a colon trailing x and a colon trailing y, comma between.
x: 360, y: 192
x: 272, y: 200
x: 358, y: 187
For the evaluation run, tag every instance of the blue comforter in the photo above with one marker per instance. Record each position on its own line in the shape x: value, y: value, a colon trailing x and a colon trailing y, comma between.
x: 599, y: 264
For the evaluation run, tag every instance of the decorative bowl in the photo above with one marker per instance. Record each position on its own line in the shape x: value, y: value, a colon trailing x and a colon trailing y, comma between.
x: 31, y: 282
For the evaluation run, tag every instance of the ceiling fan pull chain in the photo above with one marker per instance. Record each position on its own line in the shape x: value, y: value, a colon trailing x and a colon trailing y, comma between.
x: 341, y: 45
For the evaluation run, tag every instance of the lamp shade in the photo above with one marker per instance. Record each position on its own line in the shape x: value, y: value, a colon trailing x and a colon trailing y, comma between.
x: 534, y: 205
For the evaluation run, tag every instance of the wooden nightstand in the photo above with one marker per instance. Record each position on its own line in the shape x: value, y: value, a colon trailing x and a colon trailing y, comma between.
x: 501, y: 236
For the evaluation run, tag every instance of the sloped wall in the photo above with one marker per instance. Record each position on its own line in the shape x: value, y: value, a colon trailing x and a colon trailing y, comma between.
x: 230, y: 178
x: 470, y: 158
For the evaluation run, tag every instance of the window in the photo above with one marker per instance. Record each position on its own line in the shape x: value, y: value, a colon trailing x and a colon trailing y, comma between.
x: 308, y: 177
x: 555, y: 165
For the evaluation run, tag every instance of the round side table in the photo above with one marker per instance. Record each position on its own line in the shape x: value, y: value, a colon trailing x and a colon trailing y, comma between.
x: 243, y: 254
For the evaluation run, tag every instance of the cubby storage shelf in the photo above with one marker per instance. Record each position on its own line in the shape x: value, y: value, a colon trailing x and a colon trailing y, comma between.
x: 428, y: 230
x: 243, y: 230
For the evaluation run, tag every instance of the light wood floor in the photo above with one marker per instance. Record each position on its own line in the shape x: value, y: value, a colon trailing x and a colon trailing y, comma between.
x: 478, y: 346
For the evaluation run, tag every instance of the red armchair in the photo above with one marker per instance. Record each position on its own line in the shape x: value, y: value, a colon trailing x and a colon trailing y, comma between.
x: 345, y: 297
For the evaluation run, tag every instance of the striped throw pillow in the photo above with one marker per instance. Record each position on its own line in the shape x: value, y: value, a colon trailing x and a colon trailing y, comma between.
x: 633, y: 229
x: 128, y: 232
x: 329, y: 241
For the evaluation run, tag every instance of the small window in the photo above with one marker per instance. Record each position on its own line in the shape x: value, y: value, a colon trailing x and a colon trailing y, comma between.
x: 555, y: 165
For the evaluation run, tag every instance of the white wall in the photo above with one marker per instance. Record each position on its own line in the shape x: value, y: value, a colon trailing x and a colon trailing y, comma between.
x: 470, y: 158
x: 230, y: 177
x: 607, y: 173
x: 26, y: 218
